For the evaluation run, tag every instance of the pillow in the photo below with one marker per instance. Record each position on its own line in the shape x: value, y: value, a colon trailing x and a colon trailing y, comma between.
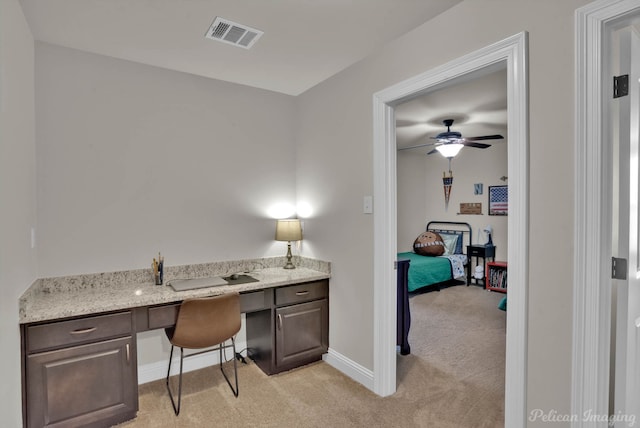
x: 450, y: 243
x: 503, y: 304
x: 428, y: 244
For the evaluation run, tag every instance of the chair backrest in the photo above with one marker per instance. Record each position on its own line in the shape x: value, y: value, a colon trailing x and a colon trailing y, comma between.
x: 207, y: 321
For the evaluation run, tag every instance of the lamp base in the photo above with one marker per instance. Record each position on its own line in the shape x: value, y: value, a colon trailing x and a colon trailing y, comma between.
x: 289, y: 265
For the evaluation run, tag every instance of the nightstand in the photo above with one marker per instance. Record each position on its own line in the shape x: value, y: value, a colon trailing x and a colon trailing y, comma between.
x: 483, y: 252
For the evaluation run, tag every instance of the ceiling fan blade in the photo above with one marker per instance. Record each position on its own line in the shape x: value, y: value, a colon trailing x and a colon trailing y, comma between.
x: 415, y: 147
x: 485, y: 137
x: 432, y: 152
x: 476, y: 145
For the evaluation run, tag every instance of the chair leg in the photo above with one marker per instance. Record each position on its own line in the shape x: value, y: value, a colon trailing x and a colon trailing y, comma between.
x: 235, y: 367
x: 176, y: 408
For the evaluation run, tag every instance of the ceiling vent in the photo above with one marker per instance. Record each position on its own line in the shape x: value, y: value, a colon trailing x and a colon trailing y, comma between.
x: 233, y: 33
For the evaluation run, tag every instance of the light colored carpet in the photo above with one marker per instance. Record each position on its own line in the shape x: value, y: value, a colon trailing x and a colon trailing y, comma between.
x: 454, y: 377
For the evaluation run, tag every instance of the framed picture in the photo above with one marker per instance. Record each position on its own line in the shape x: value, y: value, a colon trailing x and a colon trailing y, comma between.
x: 498, y: 200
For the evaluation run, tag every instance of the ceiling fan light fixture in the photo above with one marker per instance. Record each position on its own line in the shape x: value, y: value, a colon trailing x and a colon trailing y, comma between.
x: 449, y: 136
x: 449, y: 150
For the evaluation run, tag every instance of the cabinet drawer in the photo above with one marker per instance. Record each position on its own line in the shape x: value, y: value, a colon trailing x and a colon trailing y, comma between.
x: 481, y: 251
x: 163, y: 316
x: 77, y: 331
x: 302, y: 292
x: 167, y: 315
x: 255, y: 301
x: 475, y: 251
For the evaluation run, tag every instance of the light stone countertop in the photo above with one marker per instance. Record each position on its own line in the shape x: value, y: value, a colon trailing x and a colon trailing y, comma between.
x: 62, y: 297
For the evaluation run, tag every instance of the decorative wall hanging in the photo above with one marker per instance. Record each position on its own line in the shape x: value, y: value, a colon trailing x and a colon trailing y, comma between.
x: 498, y: 200
x: 477, y: 189
x: 471, y: 208
x: 447, y: 182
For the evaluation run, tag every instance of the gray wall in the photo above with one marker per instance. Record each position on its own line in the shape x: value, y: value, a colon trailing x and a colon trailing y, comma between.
x: 335, y: 170
x: 17, y: 193
x: 134, y: 159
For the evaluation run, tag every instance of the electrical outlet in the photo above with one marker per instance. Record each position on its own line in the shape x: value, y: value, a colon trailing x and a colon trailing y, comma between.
x: 367, y: 205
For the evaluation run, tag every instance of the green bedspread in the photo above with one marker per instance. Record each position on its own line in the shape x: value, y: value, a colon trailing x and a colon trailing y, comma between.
x: 425, y: 270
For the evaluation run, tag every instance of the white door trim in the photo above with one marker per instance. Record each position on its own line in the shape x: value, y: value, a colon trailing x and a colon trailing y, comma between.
x: 593, y: 216
x: 512, y: 52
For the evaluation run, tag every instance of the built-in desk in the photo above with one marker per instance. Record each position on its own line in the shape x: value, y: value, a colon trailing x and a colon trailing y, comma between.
x: 79, y: 359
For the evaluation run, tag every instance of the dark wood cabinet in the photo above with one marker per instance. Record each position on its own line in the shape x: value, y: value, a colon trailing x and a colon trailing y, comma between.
x: 301, y: 334
x: 77, y: 374
x: 294, y: 332
x: 82, y: 371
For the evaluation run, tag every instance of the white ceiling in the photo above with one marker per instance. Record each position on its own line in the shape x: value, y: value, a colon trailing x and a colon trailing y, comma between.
x: 478, y: 107
x: 304, y: 41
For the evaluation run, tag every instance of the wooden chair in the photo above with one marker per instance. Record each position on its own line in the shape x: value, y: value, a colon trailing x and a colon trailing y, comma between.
x: 205, y: 323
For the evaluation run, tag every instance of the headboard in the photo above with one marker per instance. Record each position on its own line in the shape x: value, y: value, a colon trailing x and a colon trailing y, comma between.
x: 456, y: 228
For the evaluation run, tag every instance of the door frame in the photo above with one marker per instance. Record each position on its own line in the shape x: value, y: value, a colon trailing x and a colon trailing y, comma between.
x: 592, y: 209
x: 511, y: 52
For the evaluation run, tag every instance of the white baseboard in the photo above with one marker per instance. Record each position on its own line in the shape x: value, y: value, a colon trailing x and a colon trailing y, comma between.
x: 350, y: 368
x: 158, y: 370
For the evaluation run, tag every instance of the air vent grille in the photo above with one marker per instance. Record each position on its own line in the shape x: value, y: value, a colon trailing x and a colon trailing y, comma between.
x: 233, y: 33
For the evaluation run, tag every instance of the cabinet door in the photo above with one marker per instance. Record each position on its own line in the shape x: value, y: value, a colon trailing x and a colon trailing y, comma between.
x: 88, y: 385
x: 301, y: 333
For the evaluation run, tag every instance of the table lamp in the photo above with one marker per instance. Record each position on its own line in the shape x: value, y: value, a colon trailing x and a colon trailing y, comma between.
x: 288, y: 230
x: 489, y: 231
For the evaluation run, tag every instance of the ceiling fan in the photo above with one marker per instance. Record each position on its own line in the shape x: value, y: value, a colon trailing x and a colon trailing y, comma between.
x: 450, y: 143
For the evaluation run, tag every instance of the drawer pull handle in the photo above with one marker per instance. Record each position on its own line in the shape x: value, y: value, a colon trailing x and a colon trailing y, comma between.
x: 279, y: 321
x: 84, y: 330
x: 128, y: 355
x: 302, y: 293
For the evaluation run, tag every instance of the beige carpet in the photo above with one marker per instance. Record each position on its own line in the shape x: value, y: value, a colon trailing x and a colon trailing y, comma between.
x: 453, y: 378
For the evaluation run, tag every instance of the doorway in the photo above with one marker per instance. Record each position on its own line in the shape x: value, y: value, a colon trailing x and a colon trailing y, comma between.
x: 592, y: 309
x: 478, y: 109
x: 438, y: 324
x: 511, y: 52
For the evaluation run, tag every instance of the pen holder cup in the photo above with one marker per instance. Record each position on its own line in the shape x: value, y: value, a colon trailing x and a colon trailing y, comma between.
x: 157, y: 269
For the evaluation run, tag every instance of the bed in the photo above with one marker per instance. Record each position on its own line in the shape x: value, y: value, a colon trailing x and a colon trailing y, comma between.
x: 416, y: 272
x: 427, y: 271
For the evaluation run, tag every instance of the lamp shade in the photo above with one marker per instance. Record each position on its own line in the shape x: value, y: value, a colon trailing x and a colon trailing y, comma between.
x: 449, y: 150
x: 288, y: 230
